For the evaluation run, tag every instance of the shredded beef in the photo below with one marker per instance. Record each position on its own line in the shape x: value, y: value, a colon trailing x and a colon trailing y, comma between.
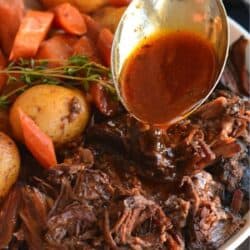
x: 211, y: 226
x: 236, y: 76
x: 139, y: 223
x: 189, y: 146
x: 177, y: 209
x: 8, y: 216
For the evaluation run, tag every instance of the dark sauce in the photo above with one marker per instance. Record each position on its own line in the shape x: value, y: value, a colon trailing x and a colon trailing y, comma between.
x: 167, y: 75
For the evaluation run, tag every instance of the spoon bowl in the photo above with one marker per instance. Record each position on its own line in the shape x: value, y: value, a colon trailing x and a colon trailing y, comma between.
x: 143, y: 18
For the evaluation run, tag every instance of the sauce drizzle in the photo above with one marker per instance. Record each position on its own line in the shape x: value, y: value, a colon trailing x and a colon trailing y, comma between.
x: 167, y: 75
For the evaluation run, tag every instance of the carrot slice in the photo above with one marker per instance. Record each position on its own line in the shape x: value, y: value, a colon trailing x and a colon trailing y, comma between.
x: 3, y: 77
x: 57, y: 49
x: 11, y: 13
x: 119, y: 3
x: 104, y: 45
x: 33, y: 29
x: 103, y: 102
x: 39, y: 144
x: 85, y: 47
x: 93, y: 27
x: 70, y: 19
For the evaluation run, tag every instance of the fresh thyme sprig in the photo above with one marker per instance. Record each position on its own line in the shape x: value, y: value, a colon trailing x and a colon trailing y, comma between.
x: 77, y: 71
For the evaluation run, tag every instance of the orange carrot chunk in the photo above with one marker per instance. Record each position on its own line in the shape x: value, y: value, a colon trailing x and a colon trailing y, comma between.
x: 33, y: 29
x: 11, y: 13
x: 85, y: 47
x: 57, y: 49
x: 119, y: 3
x: 104, y: 45
x: 93, y: 28
x: 70, y: 19
x: 39, y: 144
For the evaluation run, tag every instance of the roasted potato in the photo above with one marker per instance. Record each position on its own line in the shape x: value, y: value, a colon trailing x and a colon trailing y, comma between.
x: 85, y: 6
x: 60, y: 112
x: 109, y: 17
x: 9, y: 164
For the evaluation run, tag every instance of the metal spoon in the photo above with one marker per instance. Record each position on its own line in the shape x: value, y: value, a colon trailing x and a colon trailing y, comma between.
x: 145, y: 17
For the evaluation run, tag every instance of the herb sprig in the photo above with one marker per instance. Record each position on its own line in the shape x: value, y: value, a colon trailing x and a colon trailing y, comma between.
x: 77, y: 71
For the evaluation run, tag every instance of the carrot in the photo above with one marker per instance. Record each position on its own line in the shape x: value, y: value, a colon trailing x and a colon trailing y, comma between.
x: 39, y: 144
x: 11, y: 13
x: 93, y: 27
x: 33, y: 29
x: 102, y: 101
x: 56, y: 49
x: 104, y: 45
x: 119, y: 3
x: 85, y: 47
x: 3, y: 77
x: 70, y: 19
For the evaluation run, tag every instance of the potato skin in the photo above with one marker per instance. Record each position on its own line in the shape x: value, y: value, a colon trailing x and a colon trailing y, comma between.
x: 60, y: 112
x: 9, y: 164
x: 85, y: 6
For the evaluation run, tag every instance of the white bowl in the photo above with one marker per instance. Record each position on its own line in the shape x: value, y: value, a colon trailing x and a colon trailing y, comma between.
x: 235, y: 32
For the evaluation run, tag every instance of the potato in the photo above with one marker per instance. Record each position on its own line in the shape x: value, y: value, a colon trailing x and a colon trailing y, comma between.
x: 60, y: 112
x: 9, y: 164
x: 85, y: 6
x: 109, y: 17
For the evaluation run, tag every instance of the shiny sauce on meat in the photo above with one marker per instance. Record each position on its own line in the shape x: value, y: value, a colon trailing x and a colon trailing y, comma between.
x: 167, y: 75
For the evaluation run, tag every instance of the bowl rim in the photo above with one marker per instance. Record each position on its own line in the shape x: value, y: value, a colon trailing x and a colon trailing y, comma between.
x: 237, y: 239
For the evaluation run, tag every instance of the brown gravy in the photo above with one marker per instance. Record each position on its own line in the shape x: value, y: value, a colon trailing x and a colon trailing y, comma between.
x: 167, y: 75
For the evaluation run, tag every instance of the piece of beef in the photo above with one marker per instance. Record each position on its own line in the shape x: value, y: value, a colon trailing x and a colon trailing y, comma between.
x: 235, y: 75
x: 201, y: 188
x: 245, y: 181
x: 229, y: 172
x: 177, y: 209
x: 8, y: 216
x: 33, y: 214
x: 138, y: 223
x: 187, y: 147
x: 161, y: 156
x: 211, y: 226
x: 237, y: 200
x: 75, y: 227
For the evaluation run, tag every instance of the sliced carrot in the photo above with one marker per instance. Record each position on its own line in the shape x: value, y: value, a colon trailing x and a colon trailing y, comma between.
x: 3, y: 77
x: 57, y: 49
x: 102, y: 101
x: 39, y: 144
x: 119, y: 3
x: 11, y: 13
x: 93, y: 27
x: 85, y: 47
x: 33, y: 29
x: 70, y: 19
x: 104, y: 45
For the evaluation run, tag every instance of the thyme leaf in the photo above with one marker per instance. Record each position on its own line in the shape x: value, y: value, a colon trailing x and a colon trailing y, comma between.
x: 77, y: 71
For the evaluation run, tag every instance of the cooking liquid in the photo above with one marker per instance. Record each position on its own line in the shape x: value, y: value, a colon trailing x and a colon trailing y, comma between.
x: 167, y: 75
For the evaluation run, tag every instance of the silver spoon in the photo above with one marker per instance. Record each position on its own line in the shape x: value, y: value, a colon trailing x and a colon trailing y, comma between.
x: 145, y: 17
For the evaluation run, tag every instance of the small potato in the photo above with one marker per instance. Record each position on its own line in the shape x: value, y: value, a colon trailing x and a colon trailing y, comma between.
x: 109, y: 17
x: 9, y: 164
x: 85, y: 6
x: 60, y: 112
